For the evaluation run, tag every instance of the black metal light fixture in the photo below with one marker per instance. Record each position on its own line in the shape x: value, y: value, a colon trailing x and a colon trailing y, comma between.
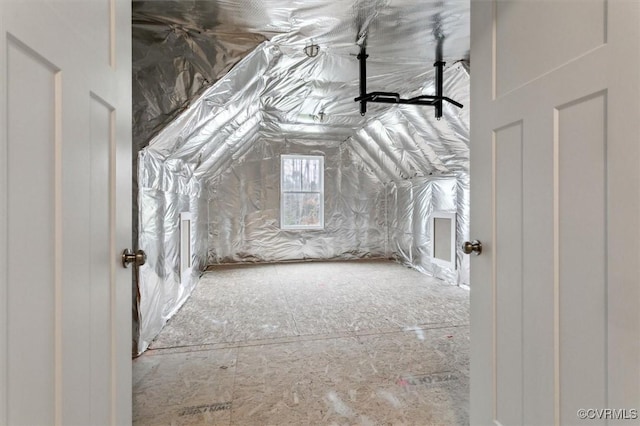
x: 312, y: 50
x: 394, y: 98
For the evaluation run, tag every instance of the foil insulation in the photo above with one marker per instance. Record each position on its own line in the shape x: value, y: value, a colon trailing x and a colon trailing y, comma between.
x: 216, y: 150
x: 182, y: 47
x: 244, y: 224
x: 162, y: 289
x: 411, y: 204
x: 179, y: 51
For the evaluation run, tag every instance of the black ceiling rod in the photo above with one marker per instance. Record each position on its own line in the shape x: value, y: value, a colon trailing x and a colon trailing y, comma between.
x: 394, y: 98
x: 439, y: 77
x: 363, y: 79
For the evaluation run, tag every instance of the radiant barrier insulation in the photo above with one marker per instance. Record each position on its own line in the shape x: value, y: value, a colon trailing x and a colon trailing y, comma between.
x: 386, y: 174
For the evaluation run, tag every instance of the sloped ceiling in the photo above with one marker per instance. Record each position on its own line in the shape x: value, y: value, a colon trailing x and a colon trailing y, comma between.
x: 183, y: 47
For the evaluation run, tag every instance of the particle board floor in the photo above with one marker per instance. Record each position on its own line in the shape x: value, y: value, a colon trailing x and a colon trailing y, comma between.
x: 322, y: 343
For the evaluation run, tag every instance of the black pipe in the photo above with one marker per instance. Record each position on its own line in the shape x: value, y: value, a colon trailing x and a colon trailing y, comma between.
x: 402, y: 101
x: 363, y: 79
x: 439, y: 79
x: 394, y: 98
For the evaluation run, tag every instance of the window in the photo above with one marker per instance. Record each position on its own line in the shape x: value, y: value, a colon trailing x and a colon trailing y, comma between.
x: 301, y: 192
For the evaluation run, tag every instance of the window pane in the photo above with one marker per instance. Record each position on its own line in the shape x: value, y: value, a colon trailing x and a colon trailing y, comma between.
x: 301, y: 210
x: 291, y: 174
x: 301, y: 174
x: 311, y: 174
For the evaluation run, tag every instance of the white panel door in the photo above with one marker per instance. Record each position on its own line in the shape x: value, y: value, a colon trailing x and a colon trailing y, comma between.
x: 65, y: 212
x: 555, y: 137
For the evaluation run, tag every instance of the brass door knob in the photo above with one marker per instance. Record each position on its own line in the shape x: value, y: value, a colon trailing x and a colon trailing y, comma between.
x: 138, y: 258
x: 474, y: 247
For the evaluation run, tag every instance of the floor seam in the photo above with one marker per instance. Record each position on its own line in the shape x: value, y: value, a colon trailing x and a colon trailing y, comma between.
x: 233, y: 386
x: 286, y: 302
x: 296, y: 339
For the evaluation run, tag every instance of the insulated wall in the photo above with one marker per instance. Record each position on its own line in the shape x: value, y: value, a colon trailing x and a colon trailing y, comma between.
x: 411, y: 204
x: 165, y: 289
x: 244, y: 209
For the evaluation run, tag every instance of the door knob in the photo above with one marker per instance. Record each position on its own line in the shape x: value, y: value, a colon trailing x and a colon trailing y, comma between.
x: 474, y: 246
x: 138, y: 258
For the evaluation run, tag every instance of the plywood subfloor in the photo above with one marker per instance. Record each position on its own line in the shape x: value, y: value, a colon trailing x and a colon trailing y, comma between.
x: 335, y: 343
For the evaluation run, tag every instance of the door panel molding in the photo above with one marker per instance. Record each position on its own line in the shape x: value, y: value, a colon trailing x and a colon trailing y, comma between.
x: 543, y: 23
x: 102, y: 245
x: 580, y: 255
x: 507, y: 148
x: 34, y: 200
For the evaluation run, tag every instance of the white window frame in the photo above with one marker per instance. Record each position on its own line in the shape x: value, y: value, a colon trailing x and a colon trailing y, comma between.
x: 440, y: 262
x: 186, y: 262
x: 282, y: 192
